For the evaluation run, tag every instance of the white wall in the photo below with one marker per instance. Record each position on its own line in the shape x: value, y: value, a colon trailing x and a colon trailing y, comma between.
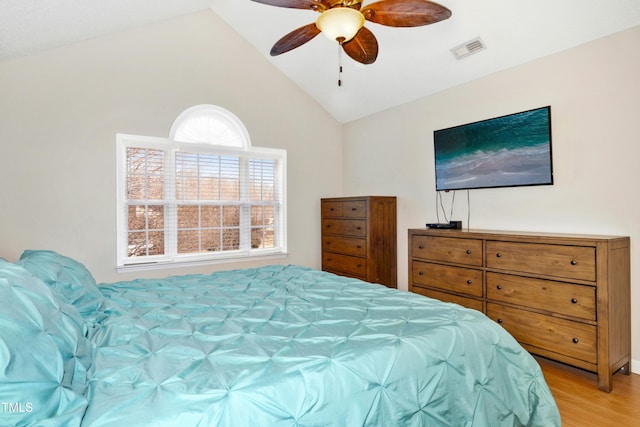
x: 60, y: 111
x: 594, y: 93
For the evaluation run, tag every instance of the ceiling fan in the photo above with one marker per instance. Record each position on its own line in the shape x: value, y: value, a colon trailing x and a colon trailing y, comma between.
x: 343, y: 21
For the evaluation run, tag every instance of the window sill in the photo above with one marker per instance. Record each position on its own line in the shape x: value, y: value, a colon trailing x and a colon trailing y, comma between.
x: 163, y: 265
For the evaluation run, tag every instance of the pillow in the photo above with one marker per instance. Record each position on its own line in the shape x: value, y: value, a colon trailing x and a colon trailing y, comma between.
x: 70, y: 279
x: 44, y: 356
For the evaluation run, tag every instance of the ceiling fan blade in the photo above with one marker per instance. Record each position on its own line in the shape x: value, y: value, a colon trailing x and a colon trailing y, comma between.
x: 319, y: 5
x: 405, y: 13
x: 363, y: 47
x: 295, y: 38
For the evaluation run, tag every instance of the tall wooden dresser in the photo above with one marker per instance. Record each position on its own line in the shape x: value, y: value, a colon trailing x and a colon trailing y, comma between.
x: 359, y: 238
x: 562, y: 296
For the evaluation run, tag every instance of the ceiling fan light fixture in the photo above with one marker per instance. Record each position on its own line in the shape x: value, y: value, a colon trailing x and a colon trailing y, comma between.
x: 340, y: 23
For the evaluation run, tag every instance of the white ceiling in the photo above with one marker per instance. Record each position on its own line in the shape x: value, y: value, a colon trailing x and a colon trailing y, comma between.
x: 412, y: 62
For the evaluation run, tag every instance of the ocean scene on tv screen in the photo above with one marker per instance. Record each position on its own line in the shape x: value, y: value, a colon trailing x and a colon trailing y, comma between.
x: 513, y: 150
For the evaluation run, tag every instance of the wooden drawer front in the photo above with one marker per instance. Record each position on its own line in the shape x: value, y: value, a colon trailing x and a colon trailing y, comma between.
x: 558, y: 297
x: 346, y: 209
x: 356, y: 209
x: 347, y: 227
x: 443, y: 296
x: 331, y: 261
x: 454, y: 279
x: 331, y: 209
x: 345, y: 245
x: 573, y: 339
x: 448, y: 249
x: 572, y: 262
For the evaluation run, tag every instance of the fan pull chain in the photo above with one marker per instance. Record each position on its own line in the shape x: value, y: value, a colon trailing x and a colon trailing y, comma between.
x: 339, y: 65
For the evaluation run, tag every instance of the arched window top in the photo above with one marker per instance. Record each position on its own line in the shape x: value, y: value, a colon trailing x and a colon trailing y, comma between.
x: 212, y: 125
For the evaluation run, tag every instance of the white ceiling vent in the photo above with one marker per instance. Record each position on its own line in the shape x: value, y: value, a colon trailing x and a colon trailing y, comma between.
x: 469, y: 48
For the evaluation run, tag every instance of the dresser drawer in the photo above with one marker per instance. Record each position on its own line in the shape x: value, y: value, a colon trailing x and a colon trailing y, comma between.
x: 354, y: 209
x: 563, y: 298
x: 331, y: 209
x: 566, y: 337
x: 344, y: 245
x: 443, y: 296
x: 572, y: 262
x: 346, y: 209
x: 447, y: 249
x: 347, y: 227
x: 455, y: 279
x: 346, y: 263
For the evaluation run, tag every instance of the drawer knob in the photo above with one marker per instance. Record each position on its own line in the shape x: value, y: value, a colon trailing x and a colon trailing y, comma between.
x: 574, y: 300
x: 575, y: 340
x: 354, y: 209
x: 469, y: 282
x: 421, y: 273
x: 358, y: 228
x: 358, y: 246
x: 574, y: 262
x: 420, y: 246
x: 499, y: 287
x: 500, y: 321
x: 468, y: 251
x: 332, y: 209
x: 498, y: 255
x: 359, y: 265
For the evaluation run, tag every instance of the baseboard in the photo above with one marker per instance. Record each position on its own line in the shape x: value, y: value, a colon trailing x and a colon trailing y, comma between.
x: 635, y: 366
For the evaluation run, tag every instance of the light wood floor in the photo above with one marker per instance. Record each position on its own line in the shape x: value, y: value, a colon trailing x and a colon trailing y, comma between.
x: 580, y: 402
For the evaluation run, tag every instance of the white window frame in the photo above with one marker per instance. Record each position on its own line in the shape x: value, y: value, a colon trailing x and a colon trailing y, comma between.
x: 171, y: 258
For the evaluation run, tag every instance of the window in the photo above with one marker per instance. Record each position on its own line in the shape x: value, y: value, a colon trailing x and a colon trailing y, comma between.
x: 203, y: 194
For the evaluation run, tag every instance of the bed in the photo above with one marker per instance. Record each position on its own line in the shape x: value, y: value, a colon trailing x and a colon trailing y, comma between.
x: 280, y: 345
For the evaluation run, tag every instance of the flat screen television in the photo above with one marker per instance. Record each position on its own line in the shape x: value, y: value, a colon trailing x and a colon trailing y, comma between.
x: 507, y: 151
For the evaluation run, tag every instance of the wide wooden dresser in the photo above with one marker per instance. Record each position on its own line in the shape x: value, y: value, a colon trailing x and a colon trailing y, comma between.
x: 562, y: 296
x: 359, y: 238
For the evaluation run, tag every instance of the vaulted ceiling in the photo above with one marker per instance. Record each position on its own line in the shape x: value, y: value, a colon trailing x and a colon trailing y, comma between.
x: 412, y: 62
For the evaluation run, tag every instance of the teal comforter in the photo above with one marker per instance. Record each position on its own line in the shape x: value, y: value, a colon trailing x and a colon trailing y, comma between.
x: 272, y: 346
x: 290, y: 346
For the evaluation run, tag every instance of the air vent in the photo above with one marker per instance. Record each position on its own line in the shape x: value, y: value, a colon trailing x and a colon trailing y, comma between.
x: 469, y: 48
